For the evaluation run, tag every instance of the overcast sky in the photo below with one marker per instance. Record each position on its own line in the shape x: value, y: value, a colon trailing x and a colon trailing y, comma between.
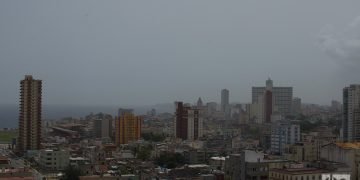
x: 147, y: 52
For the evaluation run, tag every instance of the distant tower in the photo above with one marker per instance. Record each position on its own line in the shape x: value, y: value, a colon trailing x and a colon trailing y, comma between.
x: 282, y: 97
x: 199, y: 102
x: 351, y: 113
x: 123, y: 111
x: 224, y: 100
x: 296, y: 106
x: 30, y: 114
x: 268, y: 101
x: 269, y: 84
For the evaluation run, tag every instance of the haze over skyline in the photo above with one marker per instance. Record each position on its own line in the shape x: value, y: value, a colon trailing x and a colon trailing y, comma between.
x: 149, y: 52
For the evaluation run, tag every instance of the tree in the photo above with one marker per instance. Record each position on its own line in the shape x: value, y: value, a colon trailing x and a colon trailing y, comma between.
x: 71, y: 173
x: 153, y: 137
x: 144, y: 153
x: 170, y: 160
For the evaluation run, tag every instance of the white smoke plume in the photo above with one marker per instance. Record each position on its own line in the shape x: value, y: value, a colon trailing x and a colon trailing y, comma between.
x: 344, y: 45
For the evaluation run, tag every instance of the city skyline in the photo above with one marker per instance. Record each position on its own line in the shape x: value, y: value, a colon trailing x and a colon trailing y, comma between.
x: 206, y: 89
x: 215, y: 98
x: 105, y: 53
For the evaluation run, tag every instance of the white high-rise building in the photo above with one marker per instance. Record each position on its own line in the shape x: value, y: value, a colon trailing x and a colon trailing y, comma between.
x: 283, y: 133
x: 351, y: 113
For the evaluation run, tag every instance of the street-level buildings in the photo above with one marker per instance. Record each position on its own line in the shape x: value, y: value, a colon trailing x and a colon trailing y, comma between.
x: 250, y: 165
x: 301, y: 152
x: 346, y: 153
x: 297, y: 173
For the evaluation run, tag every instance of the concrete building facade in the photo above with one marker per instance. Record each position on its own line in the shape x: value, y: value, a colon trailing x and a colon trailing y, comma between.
x: 50, y: 159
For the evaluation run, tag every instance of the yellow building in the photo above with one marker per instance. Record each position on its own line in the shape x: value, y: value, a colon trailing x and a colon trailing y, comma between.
x: 128, y: 128
x: 302, y: 151
x: 297, y: 174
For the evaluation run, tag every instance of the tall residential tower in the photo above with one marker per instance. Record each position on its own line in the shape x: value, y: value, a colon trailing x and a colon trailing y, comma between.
x: 127, y: 127
x: 188, y: 122
x: 224, y: 99
x: 351, y: 113
x: 30, y: 114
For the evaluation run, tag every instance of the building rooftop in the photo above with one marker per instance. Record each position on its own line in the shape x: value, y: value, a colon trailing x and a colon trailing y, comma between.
x: 77, y: 159
x: 348, y: 145
x: 300, y: 171
x: 198, y: 166
x: 218, y: 158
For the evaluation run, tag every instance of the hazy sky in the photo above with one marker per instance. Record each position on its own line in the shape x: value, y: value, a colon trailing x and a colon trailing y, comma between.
x: 146, y: 52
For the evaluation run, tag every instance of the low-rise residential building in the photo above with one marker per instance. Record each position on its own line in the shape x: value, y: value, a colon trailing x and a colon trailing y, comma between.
x: 17, y: 173
x: 250, y: 165
x: 326, y: 171
x: 217, y: 163
x: 54, y: 159
x: 302, y: 151
x: 78, y: 161
x: 347, y: 153
x: 194, y: 156
x: 297, y: 173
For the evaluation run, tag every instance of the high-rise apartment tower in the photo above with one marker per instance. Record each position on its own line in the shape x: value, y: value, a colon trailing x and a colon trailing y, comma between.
x: 188, y: 122
x: 351, y: 113
x: 127, y: 127
x: 30, y: 114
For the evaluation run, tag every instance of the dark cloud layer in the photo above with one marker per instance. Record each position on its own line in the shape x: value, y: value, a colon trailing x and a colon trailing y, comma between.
x: 114, y: 52
x: 345, y: 44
